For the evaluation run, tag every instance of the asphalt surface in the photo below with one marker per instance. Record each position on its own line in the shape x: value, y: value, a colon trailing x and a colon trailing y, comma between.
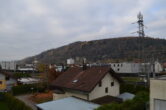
x: 27, y: 101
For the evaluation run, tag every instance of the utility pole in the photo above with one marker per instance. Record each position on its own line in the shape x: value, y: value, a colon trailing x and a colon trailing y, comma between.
x: 140, y: 25
x: 141, y: 35
x: 145, y: 67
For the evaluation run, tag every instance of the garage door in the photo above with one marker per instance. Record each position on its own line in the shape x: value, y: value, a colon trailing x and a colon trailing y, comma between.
x: 159, y: 104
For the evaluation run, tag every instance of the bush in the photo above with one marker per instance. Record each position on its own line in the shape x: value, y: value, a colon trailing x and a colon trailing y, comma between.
x: 13, y: 103
x: 27, y: 88
x: 21, y: 75
x: 138, y: 103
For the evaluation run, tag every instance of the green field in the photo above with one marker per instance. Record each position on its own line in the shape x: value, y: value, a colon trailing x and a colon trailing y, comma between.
x: 3, y: 106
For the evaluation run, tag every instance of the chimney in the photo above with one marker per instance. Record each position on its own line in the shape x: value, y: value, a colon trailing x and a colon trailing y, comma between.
x: 63, y: 68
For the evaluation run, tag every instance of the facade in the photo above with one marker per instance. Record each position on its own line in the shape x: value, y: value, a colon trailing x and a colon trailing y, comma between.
x: 158, y: 93
x: 2, y: 82
x: 130, y: 67
x: 88, y: 84
x: 125, y: 67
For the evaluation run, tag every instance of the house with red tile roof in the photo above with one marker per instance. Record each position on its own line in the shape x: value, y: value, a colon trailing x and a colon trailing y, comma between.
x: 87, y: 83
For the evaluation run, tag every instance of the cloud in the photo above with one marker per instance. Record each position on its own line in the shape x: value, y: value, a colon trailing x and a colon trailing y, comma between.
x: 28, y: 27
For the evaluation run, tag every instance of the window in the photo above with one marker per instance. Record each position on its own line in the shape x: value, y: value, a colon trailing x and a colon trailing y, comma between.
x: 0, y: 82
x: 118, y: 69
x: 106, y: 90
x: 112, y: 83
x: 114, y: 65
x: 121, y: 65
x: 118, y: 65
x: 100, y: 84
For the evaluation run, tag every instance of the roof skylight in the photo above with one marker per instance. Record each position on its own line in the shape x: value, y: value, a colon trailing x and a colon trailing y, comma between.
x: 76, y: 80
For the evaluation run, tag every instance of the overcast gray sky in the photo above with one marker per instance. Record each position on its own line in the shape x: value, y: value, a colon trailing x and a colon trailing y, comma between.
x: 28, y: 27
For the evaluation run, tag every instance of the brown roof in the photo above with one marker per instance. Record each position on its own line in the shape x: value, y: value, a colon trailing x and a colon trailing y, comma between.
x: 82, y: 80
x: 107, y: 100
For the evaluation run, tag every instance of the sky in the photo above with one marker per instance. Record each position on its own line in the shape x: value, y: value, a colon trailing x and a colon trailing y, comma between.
x: 29, y: 27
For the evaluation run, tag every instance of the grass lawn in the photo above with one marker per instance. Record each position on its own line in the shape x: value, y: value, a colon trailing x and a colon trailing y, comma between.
x: 3, y: 106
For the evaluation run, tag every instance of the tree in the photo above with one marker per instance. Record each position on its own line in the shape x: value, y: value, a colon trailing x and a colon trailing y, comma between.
x: 42, y: 67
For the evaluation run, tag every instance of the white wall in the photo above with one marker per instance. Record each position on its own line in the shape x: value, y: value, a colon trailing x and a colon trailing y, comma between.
x: 158, y: 67
x: 106, y: 82
x: 68, y: 94
x: 8, y: 65
x: 70, y: 61
x: 125, y: 67
x: 157, y: 91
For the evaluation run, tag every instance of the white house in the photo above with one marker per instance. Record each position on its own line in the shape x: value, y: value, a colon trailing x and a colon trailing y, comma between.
x: 87, y: 83
x: 158, y: 93
x: 70, y: 61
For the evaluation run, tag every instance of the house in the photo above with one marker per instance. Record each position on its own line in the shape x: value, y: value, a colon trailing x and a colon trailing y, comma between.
x: 87, y: 83
x: 157, y: 67
x: 164, y: 67
x: 158, y: 93
x: 69, y: 103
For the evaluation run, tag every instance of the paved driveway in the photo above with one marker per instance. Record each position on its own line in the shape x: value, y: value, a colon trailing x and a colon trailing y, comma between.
x: 27, y: 101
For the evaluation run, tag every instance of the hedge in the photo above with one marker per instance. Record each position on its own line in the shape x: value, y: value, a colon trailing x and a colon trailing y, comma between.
x: 13, y: 103
x: 21, y: 75
x: 27, y: 88
x: 132, y: 88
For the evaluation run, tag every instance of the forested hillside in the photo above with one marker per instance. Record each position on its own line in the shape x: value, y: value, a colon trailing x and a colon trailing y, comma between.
x: 106, y: 50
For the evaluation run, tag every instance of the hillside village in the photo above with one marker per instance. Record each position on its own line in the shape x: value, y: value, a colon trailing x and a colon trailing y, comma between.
x: 99, y: 72
x: 91, y: 84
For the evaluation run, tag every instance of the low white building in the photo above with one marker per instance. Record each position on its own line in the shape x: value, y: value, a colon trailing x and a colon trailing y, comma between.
x: 26, y: 67
x: 130, y: 67
x: 70, y: 61
x: 158, y: 93
x: 89, y: 84
x: 28, y: 80
x: 8, y: 65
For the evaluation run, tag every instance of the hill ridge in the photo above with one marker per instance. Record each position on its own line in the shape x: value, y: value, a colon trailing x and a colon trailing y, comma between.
x: 104, y: 50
